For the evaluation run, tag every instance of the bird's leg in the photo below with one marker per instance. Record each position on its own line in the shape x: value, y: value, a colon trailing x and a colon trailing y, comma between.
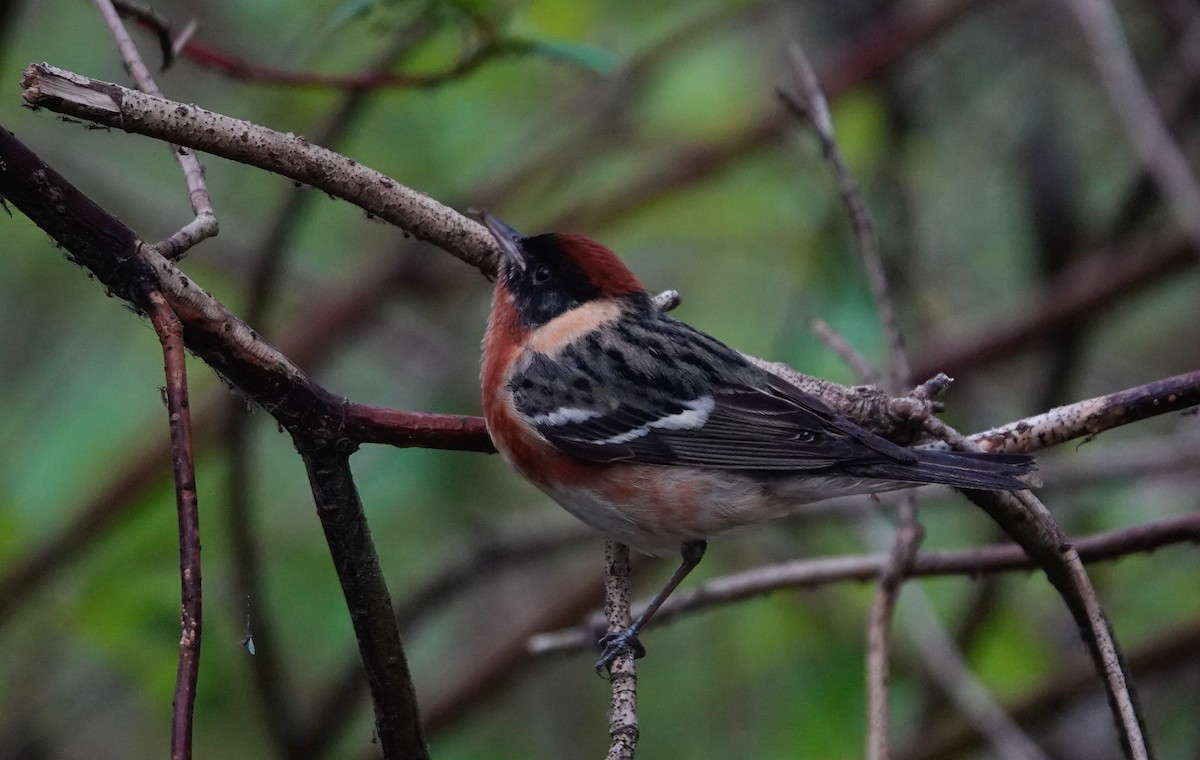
x: 615, y: 643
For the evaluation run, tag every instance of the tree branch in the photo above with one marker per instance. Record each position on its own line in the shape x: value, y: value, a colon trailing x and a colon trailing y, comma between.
x: 170, y: 334
x: 397, y: 719
x: 204, y: 224
x: 286, y: 154
x: 1028, y: 522
x: 98, y: 241
x: 812, y: 573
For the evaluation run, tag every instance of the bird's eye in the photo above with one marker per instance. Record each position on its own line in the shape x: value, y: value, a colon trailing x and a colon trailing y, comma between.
x: 541, y: 275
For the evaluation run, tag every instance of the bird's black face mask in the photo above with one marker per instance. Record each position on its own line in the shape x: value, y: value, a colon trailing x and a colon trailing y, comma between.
x: 544, y: 281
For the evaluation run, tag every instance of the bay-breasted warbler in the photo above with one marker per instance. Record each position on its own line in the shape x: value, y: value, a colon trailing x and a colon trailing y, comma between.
x: 656, y: 434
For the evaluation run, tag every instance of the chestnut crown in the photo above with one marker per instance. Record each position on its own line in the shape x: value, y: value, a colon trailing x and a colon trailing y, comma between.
x: 548, y: 275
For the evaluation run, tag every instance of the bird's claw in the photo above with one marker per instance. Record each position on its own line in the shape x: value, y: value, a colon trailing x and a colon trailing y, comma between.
x: 615, y: 644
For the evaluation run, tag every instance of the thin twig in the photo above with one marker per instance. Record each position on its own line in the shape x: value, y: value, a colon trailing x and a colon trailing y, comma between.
x: 813, y: 573
x: 1165, y: 654
x: 1094, y: 416
x: 837, y: 343
x: 942, y: 657
x: 204, y: 223
x: 879, y: 623
x: 1144, y: 127
x: 170, y: 334
x: 808, y: 102
x: 622, y: 672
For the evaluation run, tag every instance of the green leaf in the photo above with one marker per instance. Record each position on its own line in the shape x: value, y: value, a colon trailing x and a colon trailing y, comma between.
x: 349, y: 10
x: 573, y: 53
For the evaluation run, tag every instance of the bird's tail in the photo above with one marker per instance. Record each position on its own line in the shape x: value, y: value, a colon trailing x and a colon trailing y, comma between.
x: 960, y: 469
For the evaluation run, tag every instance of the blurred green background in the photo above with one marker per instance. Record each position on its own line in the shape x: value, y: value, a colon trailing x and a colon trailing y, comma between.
x: 993, y: 165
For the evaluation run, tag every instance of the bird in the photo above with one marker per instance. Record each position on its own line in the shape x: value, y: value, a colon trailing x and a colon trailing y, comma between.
x: 659, y: 435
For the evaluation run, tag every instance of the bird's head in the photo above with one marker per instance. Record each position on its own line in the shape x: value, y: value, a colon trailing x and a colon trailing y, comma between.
x: 548, y: 275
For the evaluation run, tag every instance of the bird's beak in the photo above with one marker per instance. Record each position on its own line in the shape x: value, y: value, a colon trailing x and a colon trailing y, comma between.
x: 509, y: 240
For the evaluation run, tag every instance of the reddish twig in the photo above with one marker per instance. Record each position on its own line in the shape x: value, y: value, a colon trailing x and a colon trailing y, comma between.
x: 170, y: 334
x: 372, y: 424
x: 235, y: 68
x: 98, y: 241
x: 487, y: 48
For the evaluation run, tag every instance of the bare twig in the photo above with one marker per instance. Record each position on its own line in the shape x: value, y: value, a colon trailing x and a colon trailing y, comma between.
x: 838, y: 344
x: 204, y: 224
x: 170, y: 334
x: 811, y: 573
x: 1095, y: 415
x: 1024, y: 518
x: 98, y: 241
x: 268, y: 666
x: 1164, y: 654
x: 289, y: 155
x: 484, y: 558
x: 622, y: 672
x: 1143, y: 124
x: 879, y: 622
x: 397, y: 718
x: 808, y: 102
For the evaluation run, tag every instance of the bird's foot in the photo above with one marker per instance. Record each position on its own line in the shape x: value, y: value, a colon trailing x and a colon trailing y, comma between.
x: 615, y: 644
